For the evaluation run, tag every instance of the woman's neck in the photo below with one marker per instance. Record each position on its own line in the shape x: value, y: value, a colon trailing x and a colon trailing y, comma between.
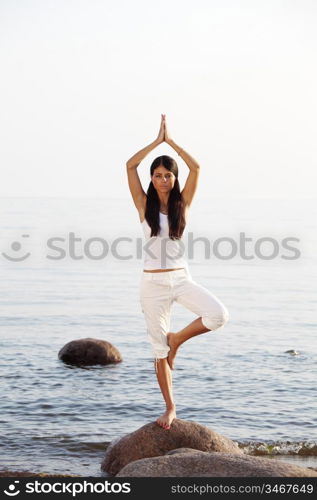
x: 163, y: 204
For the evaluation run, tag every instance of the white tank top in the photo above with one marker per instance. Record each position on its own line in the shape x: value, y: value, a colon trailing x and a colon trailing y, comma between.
x: 161, y: 252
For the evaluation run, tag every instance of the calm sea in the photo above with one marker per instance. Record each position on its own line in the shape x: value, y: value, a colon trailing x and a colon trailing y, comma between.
x: 66, y: 273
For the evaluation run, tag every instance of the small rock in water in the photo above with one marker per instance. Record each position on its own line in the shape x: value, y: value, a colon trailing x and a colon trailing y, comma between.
x: 292, y: 352
x: 89, y: 351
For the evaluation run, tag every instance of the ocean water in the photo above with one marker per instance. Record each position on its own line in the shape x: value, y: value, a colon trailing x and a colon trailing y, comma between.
x: 240, y: 381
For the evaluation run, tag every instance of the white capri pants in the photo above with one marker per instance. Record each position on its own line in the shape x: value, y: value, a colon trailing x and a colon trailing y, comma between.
x: 157, y: 293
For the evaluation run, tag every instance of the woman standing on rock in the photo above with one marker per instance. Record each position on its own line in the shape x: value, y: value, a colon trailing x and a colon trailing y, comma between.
x: 165, y: 278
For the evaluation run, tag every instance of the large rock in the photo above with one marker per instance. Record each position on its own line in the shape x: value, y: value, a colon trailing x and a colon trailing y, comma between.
x: 89, y: 351
x: 152, y: 440
x: 194, y: 463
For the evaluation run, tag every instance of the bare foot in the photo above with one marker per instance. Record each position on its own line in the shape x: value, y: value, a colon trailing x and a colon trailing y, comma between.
x: 171, y: 342
x: 167, y: 418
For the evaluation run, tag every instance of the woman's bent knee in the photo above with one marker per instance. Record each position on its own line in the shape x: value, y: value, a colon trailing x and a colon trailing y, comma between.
x: 215, y: 321
x: 161, y: 352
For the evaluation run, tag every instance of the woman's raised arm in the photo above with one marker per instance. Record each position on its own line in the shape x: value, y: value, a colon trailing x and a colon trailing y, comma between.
x: 192, y: 178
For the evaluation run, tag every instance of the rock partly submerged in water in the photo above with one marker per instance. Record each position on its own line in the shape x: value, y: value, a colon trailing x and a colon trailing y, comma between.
x: 195, y: 463
x: 89, y: 351
x: 151, y: 440
x: 292, y: 352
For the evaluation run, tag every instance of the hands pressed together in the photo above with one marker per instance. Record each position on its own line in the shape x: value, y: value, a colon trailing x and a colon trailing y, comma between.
x: 163, y: 133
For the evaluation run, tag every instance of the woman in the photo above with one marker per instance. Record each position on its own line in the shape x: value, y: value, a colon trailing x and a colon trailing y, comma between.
x: 162, y: 211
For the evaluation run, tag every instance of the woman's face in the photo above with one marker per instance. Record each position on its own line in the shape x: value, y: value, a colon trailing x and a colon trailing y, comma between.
x: 163, y: 180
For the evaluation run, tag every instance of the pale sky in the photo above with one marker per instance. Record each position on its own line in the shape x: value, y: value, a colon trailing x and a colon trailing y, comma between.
x: 84, y: 82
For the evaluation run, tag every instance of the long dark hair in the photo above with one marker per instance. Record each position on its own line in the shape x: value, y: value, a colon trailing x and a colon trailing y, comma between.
x: 176, y: 207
